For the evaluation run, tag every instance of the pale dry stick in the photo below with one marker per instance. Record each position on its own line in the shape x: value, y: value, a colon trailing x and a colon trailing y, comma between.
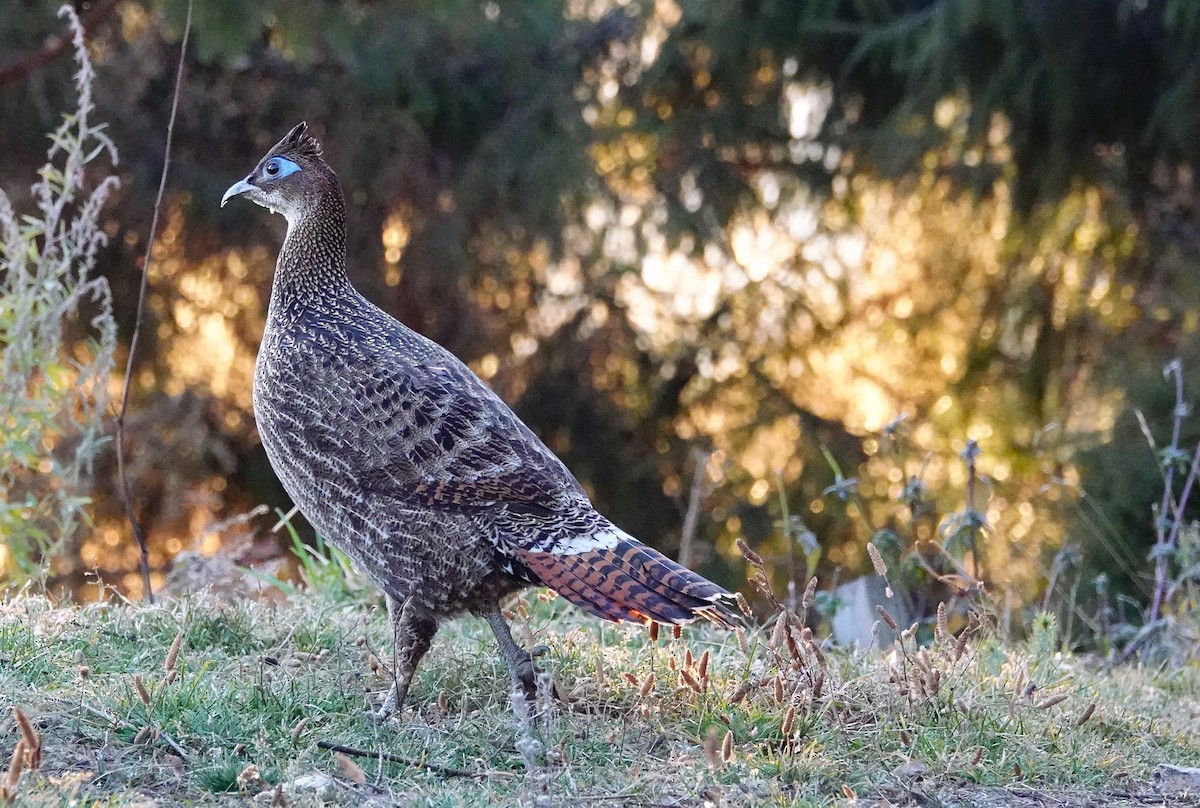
x: 283, y: 520
x: 785, y: 520
x: 138, y: 532
x: 622, y: 797
x: 700, y: 491
x: 218, y: 526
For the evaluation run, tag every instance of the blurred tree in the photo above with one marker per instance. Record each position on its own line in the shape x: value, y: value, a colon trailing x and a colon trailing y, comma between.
x: 764, y: 228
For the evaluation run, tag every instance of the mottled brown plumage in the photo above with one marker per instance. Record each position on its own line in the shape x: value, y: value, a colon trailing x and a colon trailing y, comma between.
x: 404, y: 460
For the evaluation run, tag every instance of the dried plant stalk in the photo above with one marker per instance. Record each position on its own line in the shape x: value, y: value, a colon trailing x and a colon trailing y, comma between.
x: 789, y: 720
x: 31, y: 739
x: 173, y: 653
x: 16, y: 765
x: 877, y: 560
x: 810, y: 593
x: 1046, y: 704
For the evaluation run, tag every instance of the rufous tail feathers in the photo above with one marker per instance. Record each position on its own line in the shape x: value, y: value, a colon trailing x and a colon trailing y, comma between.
x: 627, y: 580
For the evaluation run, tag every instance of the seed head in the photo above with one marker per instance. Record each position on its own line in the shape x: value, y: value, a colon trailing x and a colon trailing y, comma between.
x: 877, y: 560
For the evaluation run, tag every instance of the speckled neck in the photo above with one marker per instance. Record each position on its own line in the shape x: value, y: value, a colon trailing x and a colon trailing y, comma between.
x: 312, y: 261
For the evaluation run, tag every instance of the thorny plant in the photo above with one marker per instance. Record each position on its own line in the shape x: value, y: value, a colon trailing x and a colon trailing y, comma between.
x: 1168, y: 516
x: 53, y: 394
x: 1120, y: 626
x: 1174, y: 553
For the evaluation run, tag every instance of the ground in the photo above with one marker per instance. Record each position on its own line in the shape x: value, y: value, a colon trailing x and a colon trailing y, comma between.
x: 258, y: 691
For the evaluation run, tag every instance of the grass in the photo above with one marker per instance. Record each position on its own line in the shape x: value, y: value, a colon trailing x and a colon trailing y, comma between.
x: 699, y: 719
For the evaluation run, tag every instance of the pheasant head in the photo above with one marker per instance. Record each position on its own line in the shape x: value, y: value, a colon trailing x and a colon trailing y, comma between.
x: 291, y: 179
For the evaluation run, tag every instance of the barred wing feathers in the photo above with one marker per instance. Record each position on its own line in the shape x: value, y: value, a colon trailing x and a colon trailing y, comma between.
x: 450, y: 443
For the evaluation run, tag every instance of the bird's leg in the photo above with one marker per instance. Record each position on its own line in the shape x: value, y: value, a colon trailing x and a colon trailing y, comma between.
x: 520, y: 662
x: 412, y: 632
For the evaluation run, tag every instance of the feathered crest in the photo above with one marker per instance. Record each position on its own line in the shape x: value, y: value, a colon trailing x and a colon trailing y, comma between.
x: 297, y: 143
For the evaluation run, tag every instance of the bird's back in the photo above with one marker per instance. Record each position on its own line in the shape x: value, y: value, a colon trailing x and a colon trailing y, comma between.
x: 390, y: 445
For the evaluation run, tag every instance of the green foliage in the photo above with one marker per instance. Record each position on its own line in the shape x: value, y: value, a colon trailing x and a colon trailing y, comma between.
x: 1043, y: 635
x: 54, y: 368
x: 323, y: 568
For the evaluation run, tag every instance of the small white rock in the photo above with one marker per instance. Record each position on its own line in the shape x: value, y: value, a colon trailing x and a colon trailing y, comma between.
x: 318, y: 783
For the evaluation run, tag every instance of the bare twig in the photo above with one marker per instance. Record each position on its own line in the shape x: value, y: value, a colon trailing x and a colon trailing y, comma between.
x: 138, y: 533
x: 1144, y: 634
x: 701, y: 489
x: 404, y: 761
x: 785, y: 521
x: 970, y: 455
x: 221, y: 525
x: 287, y: 517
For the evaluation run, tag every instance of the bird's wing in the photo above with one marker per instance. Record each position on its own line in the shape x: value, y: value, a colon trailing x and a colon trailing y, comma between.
x: 443, y: 439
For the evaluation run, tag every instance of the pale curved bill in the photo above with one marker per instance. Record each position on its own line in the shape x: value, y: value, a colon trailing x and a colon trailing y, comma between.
x: 238, y: 188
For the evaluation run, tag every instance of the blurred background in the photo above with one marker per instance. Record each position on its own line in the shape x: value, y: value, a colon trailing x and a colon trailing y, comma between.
x: 803, y: 273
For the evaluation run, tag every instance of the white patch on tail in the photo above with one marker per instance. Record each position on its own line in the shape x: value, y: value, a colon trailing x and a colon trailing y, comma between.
x: 600, y: 540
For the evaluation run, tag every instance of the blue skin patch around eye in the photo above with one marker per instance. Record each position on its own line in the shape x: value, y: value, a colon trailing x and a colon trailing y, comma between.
x: 279, y: 167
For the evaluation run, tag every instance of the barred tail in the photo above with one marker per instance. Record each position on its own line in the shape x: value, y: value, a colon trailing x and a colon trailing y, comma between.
x: 626, y: 580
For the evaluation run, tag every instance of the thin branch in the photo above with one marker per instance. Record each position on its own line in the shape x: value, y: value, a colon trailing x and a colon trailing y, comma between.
x: 138, y: 532
x: 388, y: 756
x: 701, y: 489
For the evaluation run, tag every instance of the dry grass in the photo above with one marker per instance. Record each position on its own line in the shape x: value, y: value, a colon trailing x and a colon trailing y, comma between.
x: 209, y: 703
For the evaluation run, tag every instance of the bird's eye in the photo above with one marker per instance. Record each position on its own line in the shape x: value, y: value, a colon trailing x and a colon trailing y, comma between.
x: 279, y: 167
